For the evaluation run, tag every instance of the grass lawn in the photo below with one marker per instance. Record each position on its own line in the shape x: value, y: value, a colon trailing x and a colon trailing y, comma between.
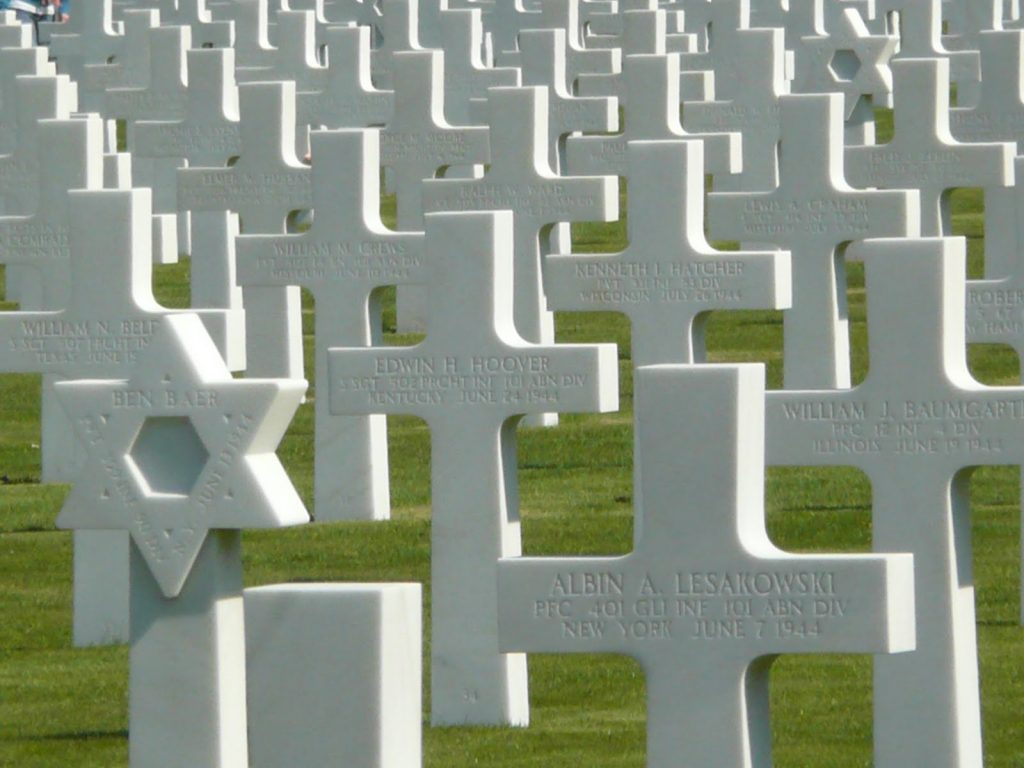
x: 65, y: 707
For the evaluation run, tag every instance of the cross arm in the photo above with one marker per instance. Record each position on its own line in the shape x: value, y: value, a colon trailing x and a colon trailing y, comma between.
x: 561, y: 605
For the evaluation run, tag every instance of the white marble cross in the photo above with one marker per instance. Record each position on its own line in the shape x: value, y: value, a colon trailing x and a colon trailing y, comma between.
x: 646, y: 32
x: 728, y: 56
x: 365, y: 13
x: 471, y: 379
x: 181, y: 456
x: 998, y: 115
x: 923, y: 155
x: 753, y: 112
x: 15, y: 62
x: 95, y: 51
x: 705, y: 601
x: 29, y: 99
x: 343, y: 259
x: 109, y: 313
x: 128, y: 65
x: 543, y: 65
x: 642, y: 27
x: 964, y: 22
x: 348, y: 98
x: 208, y: 133
x: 14, y: 34
x: 914, y: 425
x: 669, y: 277
x: 919, y: 25
x: 467, y: 76
x: 163, y: 97
x: 78, y: 40
x: 565, y: 15
x: 995, y: 304
x: 171, y: 122
x: 252, y: 44
x: 649, y: 91
x: 399, y: 28
x: 519, y: 179
x: 503, y: 20
x: 266, y: 184
x: 69, y: 156
x: 294, y: 57
x: 419, y: 141
x: 812, y: 212
x: 206, y: 33
x: 34, y: 98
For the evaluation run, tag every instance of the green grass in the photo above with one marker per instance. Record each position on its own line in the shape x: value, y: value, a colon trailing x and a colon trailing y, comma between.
x: 64, y: 707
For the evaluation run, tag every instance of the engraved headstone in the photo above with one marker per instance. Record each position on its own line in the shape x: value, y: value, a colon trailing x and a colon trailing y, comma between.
x: 645, y: 32
x: 565, y: 15
x: 15, y: 62
x: 466, y: 74
x: 348, y: 98
x: 705, y: 601
x: 419, y: 141
x: 399, y: 28
x: 265, y: 184
x: 998, y: 114
x: 543, y: 65
x: 649, y: 92
x: 163, y: 97
x: 204, y: 131
x: 995, y: 304
x: 208, y: 132
x: 181, y: 457
x: 811, y: 213
x: 669, y: 277
x: 294, y: 56
x: 753, y: 112
x: 913, y: 426
x: 923, y: 154
x: 34, y: 98
x: 470, y: 379
x: 729, y: 54
x: 345, y: 257
x: 519, y: 179
x: 416, y: 144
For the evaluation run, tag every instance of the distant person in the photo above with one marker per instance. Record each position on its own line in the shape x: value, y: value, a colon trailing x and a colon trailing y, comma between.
x: 34, y: 11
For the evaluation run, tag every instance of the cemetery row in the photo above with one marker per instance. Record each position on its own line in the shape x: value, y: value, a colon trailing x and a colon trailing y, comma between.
x: 255, y: 140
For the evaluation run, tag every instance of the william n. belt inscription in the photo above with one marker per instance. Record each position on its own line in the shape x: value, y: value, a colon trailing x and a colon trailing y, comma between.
x: 83, y: 342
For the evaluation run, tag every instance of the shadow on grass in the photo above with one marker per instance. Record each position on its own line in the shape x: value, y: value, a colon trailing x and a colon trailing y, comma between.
x: 76, y: 736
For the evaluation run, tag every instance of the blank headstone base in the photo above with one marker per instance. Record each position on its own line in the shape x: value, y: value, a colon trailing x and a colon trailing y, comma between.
x: 335, y: 675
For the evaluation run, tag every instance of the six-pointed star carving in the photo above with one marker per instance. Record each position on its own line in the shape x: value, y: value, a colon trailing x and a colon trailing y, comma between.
x: 179, y: 449
x: 847, y: 33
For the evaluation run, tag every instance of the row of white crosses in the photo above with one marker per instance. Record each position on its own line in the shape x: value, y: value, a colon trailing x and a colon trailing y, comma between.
x: 783, y: 158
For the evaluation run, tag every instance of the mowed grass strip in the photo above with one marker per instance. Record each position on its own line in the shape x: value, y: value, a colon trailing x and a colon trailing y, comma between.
x: 65, y: 707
